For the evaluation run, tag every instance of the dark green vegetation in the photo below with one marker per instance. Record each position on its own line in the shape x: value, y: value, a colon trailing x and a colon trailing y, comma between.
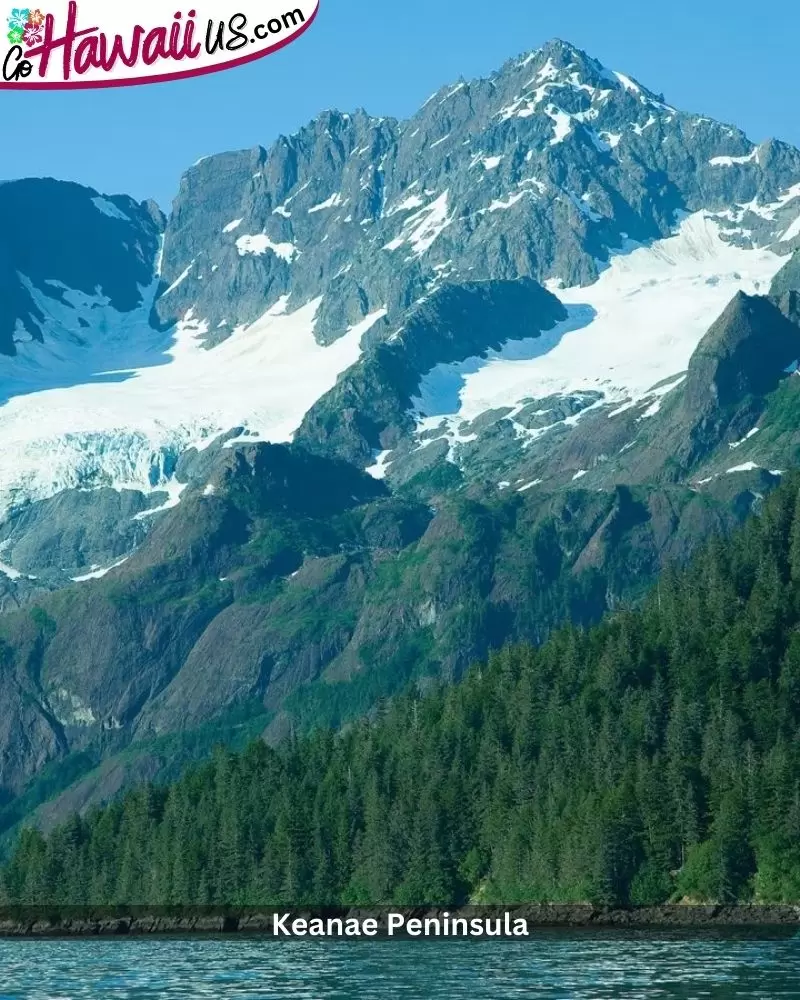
x: 289, y: 590
x: 98, y: 774
x: 654, y: 756
x: 304, y: 588
x: 290, y: 585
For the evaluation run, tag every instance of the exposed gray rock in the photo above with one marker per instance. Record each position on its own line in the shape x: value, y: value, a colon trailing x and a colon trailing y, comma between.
x: 118, y: 241
x: 539, y: 171
x: 289, y: 582
x: 74, y: 532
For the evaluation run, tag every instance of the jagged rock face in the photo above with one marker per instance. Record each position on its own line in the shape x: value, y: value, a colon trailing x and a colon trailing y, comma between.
x: 290, y: 265
x: 785, y: 289
x: 369, y: 409
x: 746, y: 352
x: 787, y: 280
x: 74, y: 533
x: 501, y: 340
x: 78, y: 242
x: 554, y: 169
x: 540, y: 171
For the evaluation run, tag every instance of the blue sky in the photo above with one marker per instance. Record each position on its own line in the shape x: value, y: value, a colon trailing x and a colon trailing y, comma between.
x: 707, y: 56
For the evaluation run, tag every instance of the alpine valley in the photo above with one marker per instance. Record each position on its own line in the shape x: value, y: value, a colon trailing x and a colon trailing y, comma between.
x: 369, y: 403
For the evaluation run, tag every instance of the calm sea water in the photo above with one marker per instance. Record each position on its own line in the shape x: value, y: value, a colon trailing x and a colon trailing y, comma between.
x: 548, y: 966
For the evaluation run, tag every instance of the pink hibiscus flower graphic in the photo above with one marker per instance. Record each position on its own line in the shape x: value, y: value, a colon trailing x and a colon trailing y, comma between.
x: 33, y: 34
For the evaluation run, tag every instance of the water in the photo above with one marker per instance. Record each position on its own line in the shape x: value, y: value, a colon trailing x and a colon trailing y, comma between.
x: 547, y: 966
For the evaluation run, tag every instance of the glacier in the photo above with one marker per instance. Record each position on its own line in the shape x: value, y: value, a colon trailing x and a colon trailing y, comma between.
x: 627, y: 334
x: 116, y: 402
x: 107, y: 400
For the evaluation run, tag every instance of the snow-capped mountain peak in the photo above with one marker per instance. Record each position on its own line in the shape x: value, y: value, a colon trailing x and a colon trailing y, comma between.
x: 281, y: 267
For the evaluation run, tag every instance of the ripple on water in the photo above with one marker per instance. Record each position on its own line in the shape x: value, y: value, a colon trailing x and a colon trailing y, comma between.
x: 547, y: 966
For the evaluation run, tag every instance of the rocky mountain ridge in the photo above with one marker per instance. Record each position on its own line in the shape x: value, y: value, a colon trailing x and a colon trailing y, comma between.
x: 554, y: 169
x: 543, y: 171
x: 374, y: 401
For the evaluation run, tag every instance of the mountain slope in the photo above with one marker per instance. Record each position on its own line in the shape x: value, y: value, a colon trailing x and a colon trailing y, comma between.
x: 118, y: 241
x: 551, y: 169
x: 303, y: 589
x: 654, y: 757
x: 390, y: 395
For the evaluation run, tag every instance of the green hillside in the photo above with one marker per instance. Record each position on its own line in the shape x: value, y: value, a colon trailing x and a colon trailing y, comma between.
x: 653, y: 757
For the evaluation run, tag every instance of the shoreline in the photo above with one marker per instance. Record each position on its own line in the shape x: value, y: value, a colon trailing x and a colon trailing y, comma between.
x: 83, y: 922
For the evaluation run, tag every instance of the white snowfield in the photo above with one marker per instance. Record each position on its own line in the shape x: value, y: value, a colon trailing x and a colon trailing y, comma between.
x: 634, y: 328
x: 66, y: 425
x: 115, y: 403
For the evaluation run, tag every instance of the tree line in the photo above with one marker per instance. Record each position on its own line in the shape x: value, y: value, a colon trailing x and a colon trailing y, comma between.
x: 653, y: 757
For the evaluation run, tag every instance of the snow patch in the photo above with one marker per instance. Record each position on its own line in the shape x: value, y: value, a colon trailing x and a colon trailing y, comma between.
x: 110, y: 209
x: 260, y: 243
x: 729, y: 161
x: 498, y: 206
x: 639, y: 129
x: 10, y: 572
x: 547, y: 72
x: 629, y: 336
x: 118, y: 407
x: 334, y: 201
x: 452, y: 92
x: 769, y: 210
x: 627, y: 83
x: 174, y: 490
x: 562, y: 124
x: 792, y: 232
x: 378, y: 470
x: 97, y: 573
x: 611, y: 138
x: 424, y: 227
x: 180, y: 279
x: 412, y: 201
x: 737, y: 444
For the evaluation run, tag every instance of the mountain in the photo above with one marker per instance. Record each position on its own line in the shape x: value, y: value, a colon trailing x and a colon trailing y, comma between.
x: 552, y: 170
x: 370, y: 403
x: 652, y: 758
x: 44, y: 279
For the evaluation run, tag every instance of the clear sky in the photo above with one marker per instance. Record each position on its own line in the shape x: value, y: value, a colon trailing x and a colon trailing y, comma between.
x: 734, y: 60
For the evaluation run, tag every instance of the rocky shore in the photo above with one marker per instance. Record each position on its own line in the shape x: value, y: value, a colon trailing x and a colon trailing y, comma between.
x: 176, y: 921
